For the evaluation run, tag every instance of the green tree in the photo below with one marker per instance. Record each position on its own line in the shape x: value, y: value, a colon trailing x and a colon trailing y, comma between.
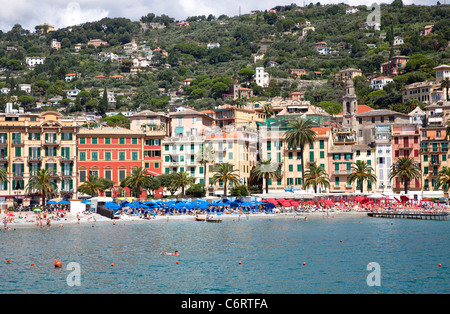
x: 299, y: 134
x: 182, y: 180
x: 266, y: 170
x: 405, y: 169
x: 103, y: 105
x: 315, y: 177
x: 444, y: 179
x: 247, y: 74
x: 117, y: 120
x: 446, y: 84
x: 361, y: 171
x: 44, y: 183
x: 92, y: 186
x: 137, y: 180
x: 224, y: 172
x: 205, y: 156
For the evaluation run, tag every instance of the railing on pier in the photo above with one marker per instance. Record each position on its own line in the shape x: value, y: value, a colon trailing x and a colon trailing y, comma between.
x: 410, y: 215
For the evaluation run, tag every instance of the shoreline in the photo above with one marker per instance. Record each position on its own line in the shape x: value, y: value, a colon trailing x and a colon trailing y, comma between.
x: 96, y: 218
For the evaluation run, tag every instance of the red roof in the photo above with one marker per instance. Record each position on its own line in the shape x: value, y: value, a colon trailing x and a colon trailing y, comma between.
x: 361, y: 109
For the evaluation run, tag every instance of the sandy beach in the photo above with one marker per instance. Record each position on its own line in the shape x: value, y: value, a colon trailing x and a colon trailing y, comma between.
x: 30, y: 219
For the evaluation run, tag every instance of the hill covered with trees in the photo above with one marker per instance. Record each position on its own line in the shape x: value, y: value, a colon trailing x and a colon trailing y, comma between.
x: 184, y: 69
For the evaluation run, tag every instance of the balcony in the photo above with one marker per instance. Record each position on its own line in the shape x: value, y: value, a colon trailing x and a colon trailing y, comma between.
x: 67, y: 174
x: 66, y: 191
x: 3, y: 159
x: 34, y: 159
x: 17, y: 144
x: 66, y: 159
x: 18, y: 174
x: 50, y: 142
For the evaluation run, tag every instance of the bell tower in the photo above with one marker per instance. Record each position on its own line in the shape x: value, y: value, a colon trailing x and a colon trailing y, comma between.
x: 349, y: 106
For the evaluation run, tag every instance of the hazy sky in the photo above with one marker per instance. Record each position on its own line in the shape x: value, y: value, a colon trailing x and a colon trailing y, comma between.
x: 62, y: 13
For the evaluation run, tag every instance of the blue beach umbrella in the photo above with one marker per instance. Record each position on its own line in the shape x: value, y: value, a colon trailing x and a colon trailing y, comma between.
x: 51, y: 203
x: 63, y: 202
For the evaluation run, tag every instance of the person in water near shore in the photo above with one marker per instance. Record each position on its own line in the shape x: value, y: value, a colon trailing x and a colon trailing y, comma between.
x: 174, y: 253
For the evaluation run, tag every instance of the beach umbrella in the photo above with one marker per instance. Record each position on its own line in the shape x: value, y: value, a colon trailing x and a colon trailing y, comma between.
x: 61, y: 210
x: 37, y: 209
x: 10, y: 215
x: 51, y: 203
x: 359, y: 198
x: 295, y: 204
x: 328, y: 202
x: 63, y: 202
x: 87, y: 202
x: 285, y: 204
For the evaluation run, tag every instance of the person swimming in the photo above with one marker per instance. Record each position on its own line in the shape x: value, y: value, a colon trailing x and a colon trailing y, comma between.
x: 174, y: 253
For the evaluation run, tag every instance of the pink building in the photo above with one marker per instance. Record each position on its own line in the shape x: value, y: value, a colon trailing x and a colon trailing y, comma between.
x: 405, y: 143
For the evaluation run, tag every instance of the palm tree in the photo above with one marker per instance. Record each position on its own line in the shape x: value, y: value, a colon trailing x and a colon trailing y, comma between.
x: 3, y: 175
x: 92, y: 186
x: 106, y: 184
x: 225, y: 172
x: 44, y: 183
x: 316, y: 176
x: 444, y: 178
x: 446, y: 84
x: 266, y: 170
x: 137, y: 180
x: 405, y: 169
x: 204, y: 157
x: 300, y: 134
x: 361, y: 171
x: 183, y: 179
x: 268, y: 110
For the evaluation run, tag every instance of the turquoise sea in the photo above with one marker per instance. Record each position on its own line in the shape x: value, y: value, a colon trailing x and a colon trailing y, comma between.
x: 278, y: 256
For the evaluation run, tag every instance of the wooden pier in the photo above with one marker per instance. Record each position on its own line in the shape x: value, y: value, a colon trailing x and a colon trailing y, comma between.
x: 409, y: 215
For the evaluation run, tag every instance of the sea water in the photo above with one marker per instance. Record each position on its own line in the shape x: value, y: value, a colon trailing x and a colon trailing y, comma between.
x: 325, y: 254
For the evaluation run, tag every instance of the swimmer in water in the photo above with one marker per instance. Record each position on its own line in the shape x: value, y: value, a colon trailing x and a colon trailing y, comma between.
x: 174, y: 253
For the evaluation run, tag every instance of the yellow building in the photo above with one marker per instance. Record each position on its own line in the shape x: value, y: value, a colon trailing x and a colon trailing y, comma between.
x: 29, y: 142
x: 274, y: 147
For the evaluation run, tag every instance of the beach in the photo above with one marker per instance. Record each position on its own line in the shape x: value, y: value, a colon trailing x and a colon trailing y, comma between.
x: 30, y: 219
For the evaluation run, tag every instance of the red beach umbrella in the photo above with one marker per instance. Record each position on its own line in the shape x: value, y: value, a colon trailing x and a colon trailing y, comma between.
x: 285, y: 204
x: 328, y: 202
x: 295, y: 204
x: 359, y: 198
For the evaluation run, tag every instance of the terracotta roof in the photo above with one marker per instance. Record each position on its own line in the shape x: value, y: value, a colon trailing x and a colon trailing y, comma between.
x: 361, y: 109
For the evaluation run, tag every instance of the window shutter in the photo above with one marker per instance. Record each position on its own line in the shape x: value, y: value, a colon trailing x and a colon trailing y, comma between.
x: 70, y: 184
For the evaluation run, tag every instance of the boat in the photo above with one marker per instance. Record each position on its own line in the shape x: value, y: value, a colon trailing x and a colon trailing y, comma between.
x: 208, y: 220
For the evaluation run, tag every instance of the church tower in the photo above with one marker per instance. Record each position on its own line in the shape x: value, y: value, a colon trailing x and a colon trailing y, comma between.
x: 349, y: 106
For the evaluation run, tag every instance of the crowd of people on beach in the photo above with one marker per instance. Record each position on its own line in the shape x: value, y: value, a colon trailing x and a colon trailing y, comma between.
x: 50, y: 214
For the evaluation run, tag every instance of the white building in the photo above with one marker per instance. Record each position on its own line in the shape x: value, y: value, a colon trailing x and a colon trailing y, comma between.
x: 383, y: 155
x: 262, y: 78
x: 324, y: 50
x: 25, y: 88
x: 33, y: 61
x: 442, y: 72
x: 212, y: 45
x: 351, y: 10
x: 379, y: 82
x: 398, y: 41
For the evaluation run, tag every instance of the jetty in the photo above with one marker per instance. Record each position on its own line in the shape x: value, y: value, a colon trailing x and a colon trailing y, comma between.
x: 410, y: 215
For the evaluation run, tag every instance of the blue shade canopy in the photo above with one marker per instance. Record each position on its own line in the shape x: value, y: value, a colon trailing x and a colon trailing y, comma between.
x: 87, y: 202
x: 64, y: 202
x: 112, y: 205
x: 51, y: 203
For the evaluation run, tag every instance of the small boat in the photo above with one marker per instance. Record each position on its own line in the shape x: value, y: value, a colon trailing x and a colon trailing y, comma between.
x: 208, y: 220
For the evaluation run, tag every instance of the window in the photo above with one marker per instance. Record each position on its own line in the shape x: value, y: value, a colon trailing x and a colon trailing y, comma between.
x: 107, y: 155
x: 107, y: 140
x: 94, y: 156
x: 94, y: 140
x: 122, y: 140
x: 122, y: 174
x: 134, y: 156
x: 82, y: 140
x: 380, y: 160
x: 134, y: 140
x: 82, y: 156
x: 82, y: 175
x: 121, y: 155
x: 108, y: 174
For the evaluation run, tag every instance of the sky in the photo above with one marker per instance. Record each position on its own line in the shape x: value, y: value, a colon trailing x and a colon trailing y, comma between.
x: 63, y: 13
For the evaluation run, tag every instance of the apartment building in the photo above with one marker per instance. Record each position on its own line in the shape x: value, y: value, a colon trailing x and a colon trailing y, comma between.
x: 111, y: 153
x: 29, y: 142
